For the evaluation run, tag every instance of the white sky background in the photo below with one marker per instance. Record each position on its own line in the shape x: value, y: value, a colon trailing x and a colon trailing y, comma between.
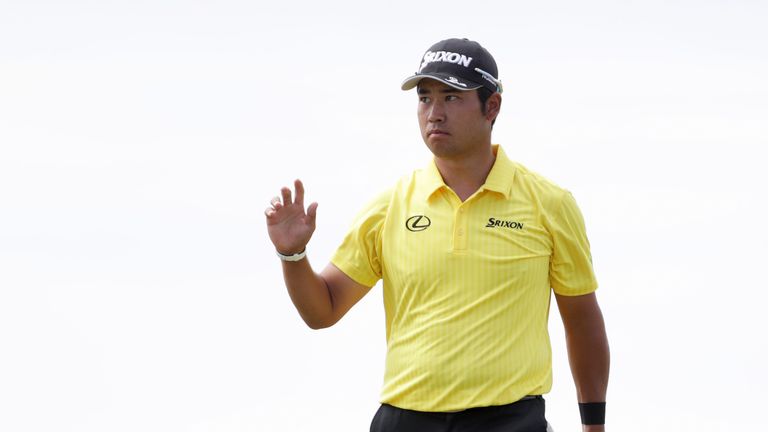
x: 140, y: 142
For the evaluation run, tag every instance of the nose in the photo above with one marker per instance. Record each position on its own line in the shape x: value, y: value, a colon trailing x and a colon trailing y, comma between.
x: 436, y: 113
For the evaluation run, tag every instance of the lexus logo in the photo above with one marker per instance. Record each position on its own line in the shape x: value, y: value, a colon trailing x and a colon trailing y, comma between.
x: 418, y: 223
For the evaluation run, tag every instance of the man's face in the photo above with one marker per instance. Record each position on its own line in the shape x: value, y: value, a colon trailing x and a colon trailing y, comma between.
x: 451, y: 121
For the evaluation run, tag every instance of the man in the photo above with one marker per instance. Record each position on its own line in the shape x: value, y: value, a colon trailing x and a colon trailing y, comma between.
x: 469, y: 250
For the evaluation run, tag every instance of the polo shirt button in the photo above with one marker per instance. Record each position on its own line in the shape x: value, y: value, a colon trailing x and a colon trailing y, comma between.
x: 461, y: 232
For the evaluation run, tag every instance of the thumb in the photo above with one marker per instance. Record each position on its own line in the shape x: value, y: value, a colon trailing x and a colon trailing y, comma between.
x: 312, y: 213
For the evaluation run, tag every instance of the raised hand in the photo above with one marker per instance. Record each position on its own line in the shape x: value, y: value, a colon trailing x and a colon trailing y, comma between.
x: 289, y: 227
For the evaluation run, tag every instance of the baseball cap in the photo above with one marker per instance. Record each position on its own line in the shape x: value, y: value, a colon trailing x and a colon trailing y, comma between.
x: 459, y: 63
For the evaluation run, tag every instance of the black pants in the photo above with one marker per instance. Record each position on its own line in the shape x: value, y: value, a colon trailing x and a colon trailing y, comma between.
x: 522, y: 416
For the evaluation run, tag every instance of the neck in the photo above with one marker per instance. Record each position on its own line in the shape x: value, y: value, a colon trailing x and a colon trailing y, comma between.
x: 465, y: 175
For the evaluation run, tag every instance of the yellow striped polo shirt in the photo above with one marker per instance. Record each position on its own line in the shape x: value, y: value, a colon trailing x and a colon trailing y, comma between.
x: 467, y: 284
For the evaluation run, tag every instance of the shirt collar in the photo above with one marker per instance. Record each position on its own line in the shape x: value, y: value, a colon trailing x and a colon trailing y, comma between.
x: 499, y: 178
x: 501, y: 175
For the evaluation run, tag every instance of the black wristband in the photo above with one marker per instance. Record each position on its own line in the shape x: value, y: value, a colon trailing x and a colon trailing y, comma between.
x: 592, y: 413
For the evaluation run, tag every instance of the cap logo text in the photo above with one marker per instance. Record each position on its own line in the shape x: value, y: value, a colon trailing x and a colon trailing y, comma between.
x: 455, y: 81
x: 445, y: 56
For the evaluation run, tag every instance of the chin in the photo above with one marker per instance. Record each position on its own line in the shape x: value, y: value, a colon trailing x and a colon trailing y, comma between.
x: 441, y: 148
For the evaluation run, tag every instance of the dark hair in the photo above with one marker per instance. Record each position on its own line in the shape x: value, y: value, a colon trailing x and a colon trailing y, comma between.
x: 483, y: 94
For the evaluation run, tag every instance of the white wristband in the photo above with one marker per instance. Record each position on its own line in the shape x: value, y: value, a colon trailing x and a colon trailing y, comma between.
x: 295, y: 257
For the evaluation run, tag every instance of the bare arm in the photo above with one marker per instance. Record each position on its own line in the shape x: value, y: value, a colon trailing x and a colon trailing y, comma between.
x: 587, y: 343
x: 321, y: 299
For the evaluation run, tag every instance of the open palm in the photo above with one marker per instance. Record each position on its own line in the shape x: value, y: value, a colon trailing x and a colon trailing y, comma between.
x: 289, y: 226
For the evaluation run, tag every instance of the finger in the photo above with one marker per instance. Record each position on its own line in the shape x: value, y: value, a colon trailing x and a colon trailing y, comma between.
x: 299, y: 192
x: 312, y: 214
x: 286, y: 196
x: 269, y: 211
x: 275, y: 203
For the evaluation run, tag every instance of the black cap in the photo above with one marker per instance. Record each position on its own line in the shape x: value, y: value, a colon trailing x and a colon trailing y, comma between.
x: 459, y: 63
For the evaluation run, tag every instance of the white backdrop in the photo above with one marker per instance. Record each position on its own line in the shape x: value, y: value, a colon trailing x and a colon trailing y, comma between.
x: 140, y: 142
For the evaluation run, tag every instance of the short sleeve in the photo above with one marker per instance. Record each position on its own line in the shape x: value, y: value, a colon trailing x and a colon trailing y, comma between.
x: 570, y: 267
x: 359, y: 255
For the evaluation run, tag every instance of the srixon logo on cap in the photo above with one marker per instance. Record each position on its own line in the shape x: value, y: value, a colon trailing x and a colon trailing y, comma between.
x: 445, y: 56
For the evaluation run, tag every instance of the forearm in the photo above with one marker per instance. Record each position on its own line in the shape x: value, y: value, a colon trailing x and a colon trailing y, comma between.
x: 308, y: 292
x: 589, y: 358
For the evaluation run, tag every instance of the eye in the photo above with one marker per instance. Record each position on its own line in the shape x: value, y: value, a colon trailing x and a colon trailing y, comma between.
x: 424, y: 99
x: 451, y: 97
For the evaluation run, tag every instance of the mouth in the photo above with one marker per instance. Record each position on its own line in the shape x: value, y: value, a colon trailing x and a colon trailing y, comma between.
x: 437, y: 132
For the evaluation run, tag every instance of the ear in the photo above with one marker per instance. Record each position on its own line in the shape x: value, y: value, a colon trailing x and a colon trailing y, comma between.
x: 493, y: 106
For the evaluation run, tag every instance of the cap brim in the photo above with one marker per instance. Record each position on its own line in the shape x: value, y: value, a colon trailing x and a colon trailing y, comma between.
x: 460, y: 84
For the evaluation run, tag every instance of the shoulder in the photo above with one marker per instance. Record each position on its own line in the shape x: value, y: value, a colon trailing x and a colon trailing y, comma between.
x: 376, y: 207
x: 545, y: 190
x: 557, y: 205
x: 405, y: 187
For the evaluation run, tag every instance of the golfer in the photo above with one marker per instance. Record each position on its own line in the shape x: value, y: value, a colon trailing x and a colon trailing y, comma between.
x: 470, y: 249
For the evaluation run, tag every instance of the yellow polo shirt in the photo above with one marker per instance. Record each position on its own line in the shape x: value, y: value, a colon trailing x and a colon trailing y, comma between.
x: 467, y: 284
